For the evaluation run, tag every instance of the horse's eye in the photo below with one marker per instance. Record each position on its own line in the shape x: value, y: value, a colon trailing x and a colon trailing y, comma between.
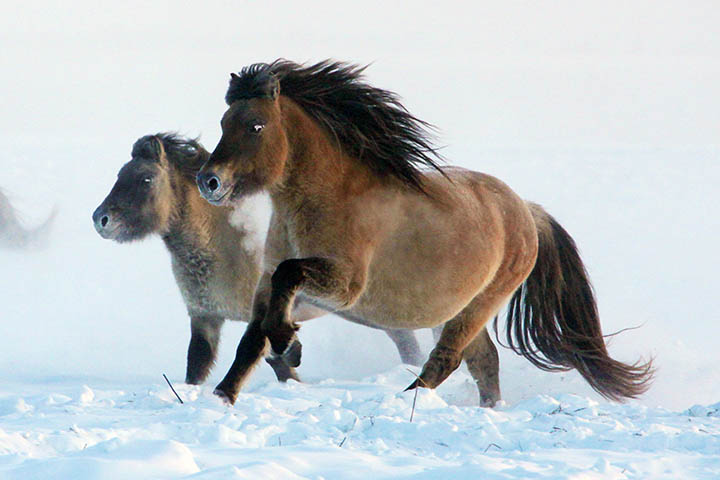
x: 148, y: 180
x: 257, y: 127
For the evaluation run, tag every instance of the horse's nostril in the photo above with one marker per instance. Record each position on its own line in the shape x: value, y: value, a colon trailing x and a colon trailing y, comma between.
x: 104, y: 220
x: 213, y: 183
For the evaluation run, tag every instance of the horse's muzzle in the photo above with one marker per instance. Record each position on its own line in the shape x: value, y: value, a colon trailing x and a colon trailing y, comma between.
x: 103, y: 222
x: 211, y: 187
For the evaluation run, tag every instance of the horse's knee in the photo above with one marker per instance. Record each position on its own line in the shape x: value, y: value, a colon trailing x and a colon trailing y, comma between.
x: 282, y: 336
x: 288, y: 275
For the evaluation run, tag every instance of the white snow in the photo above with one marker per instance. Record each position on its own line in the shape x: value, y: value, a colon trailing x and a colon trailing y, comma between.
x: 605, y: 114
x: 343, y: 429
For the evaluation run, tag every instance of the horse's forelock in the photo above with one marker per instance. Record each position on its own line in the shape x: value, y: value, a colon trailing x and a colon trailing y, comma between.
x: 147, y: 147
x: 185, y: 154
x: 254, y: 81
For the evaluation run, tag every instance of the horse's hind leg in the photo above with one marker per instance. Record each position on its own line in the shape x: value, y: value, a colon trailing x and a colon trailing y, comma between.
x: 407, y: 346
x: 457, y: 335
x: 481, y: 357
x: 203, y: 347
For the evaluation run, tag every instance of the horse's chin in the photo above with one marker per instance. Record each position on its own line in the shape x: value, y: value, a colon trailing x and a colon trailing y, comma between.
x: 223, y: 200
x: 234, y: 194
x: 240, y: 191
x: 125, y: 235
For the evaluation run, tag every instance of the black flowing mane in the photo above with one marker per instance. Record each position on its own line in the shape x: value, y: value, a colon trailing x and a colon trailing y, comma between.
x: 185, y: 154
x: 368, y: 123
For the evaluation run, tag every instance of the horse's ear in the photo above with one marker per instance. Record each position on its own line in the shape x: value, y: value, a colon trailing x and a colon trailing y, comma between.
x: 159, y: 150
x: 234, y: 76
x: 272, y: 89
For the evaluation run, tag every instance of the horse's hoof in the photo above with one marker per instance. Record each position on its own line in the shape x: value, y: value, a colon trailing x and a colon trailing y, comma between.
x: 487, y: 402
x: 415, y: 384
x: 292, y: 375
x: 194, y: 380
x: 224, y: 396
x: 412, y: 386
x: 489, y: 397
x: 293, y: 354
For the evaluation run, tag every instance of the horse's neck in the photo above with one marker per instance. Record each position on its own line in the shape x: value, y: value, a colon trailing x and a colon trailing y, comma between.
x: 193, y: 220
x: 317, y: 167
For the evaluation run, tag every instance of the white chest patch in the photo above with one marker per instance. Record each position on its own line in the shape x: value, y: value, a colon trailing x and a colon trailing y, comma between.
x: 253, y: 217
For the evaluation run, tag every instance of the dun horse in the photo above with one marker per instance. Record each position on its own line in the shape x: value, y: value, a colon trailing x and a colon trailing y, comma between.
x: 360, y: 228
x: 215, y: 264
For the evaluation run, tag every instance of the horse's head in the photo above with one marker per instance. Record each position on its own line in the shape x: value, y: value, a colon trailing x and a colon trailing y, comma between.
x: 253, y: 149
x: 140, y: 202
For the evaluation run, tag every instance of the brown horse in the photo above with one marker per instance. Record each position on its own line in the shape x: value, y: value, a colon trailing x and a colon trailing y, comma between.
x: 359, y: 228
x: 214, y: 260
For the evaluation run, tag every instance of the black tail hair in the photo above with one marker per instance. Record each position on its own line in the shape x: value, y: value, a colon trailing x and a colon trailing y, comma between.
x: 553, y: 321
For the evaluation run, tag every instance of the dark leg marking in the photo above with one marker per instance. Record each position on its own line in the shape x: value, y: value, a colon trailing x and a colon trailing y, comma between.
x: 317, y: 275
x: 249, y: 351
x: 203, y: 347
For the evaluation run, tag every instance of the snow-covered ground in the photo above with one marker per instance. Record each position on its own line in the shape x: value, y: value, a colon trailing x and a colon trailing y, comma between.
x: 608, y: 116
x: 343, y: 429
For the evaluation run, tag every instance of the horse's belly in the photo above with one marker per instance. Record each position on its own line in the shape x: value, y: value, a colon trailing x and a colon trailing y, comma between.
x: 421, y: 289
x: 384, y: 312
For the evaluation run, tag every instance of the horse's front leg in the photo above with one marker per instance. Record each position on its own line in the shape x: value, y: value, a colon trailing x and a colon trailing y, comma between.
x: 203, y: 347
x: 336, y: 283
x: 251, y: 348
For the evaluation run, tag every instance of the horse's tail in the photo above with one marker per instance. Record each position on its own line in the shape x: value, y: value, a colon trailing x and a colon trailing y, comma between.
x: 552, y: 319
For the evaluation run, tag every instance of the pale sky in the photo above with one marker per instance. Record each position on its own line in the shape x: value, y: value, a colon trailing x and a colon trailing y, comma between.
x: 489, y: 74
